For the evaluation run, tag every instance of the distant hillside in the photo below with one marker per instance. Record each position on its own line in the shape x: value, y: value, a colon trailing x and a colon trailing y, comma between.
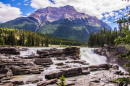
x: 63, y: 22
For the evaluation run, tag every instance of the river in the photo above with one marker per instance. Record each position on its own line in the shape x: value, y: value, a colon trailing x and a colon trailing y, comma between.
x: 87, y: 55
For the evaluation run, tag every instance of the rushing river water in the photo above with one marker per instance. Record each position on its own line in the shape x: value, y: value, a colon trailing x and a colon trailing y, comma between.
x: 87, y: 54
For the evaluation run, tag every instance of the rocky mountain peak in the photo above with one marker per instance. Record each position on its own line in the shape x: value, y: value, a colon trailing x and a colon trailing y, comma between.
x: 54, y: 13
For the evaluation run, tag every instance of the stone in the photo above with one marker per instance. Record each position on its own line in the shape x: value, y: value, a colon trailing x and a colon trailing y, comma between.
x: 43, y: 61
x: 61, y: 58
x: 69, y: 72
x: 115, y: 67
x: 23, y: 49
x: 118, y: 72
x: 60, y: 64
x: 6, y: 84
x: 79, y: 61
x: 69, y: 52
x: 69, y: 83
x: 9, y: 50
x: 44, y: 83
x: 85, y: 72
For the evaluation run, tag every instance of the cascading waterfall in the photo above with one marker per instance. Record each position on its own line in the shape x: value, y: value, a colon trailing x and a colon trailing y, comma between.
x: 87, y: 54
x: 90, y: 57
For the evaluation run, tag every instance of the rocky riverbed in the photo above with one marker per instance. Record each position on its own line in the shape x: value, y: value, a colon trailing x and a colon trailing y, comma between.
x: 44, y: 66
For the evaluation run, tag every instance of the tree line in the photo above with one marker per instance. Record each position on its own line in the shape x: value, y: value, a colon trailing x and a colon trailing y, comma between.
x: 108, y: 36
x: 15, y: 37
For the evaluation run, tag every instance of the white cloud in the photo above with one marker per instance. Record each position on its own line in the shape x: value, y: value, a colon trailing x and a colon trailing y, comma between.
x: 91, y: 7
x: 25, y: 0
x: 18, y: 3
x: 106, y: 15
x: 12, y: 0
x: 28, y: 14
x: 8, y: 13
x: 111, y: 14
x: 25, y: 4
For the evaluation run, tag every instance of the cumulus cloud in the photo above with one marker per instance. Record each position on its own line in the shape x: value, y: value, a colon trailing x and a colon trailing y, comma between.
x: 8, y: 13
x: 91, y: 7
x: 28, y: 14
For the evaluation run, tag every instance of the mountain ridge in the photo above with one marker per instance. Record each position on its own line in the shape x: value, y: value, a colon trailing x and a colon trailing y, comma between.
x: 57, y: 18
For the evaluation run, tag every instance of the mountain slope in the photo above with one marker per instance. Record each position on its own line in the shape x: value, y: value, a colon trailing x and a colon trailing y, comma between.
x: 63, y: 22
x: 69, y: 29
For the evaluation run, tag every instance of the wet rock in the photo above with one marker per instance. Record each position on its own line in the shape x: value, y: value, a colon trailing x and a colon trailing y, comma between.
x: 61, y: 58
x: 54, y: 74
x: 60, y: 64
x: 23, y: 49
x: 65, y: 66
x: 101, y: 66
x: 44, y: 83
x: 1, y: 64
x: 118, y: 72
x: 106, y: 66
x: 85, y: 72
x: 78, y: 61
x: 16, y: 82
x: 111, y: 52
x: 69, y: 83
x: 6, y: 84
x: 69, y: 72
x: 9, y: 50
x: 43, y: 61
x: 70, y: 52
x: 115, y: 67
x: 94, y: 69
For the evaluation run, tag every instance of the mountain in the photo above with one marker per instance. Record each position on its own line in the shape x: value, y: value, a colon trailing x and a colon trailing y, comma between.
x: 63, y: 22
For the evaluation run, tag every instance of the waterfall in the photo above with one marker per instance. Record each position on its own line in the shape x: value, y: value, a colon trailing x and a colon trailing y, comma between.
x: 87, y: 54
x: 90, y: 57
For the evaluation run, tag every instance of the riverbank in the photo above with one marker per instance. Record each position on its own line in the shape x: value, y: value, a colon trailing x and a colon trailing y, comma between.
x: 48, y: 64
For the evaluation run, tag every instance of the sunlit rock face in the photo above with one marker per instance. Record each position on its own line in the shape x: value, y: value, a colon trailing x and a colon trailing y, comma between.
x: 52, y: 14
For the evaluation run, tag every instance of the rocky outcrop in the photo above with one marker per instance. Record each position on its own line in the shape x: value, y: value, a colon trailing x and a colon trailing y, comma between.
x: 20, y: 66
x: 9, y: 50
x: 43, y: 61
x: 70, y: 52
x: 111, y: 52
x: 69, y: 72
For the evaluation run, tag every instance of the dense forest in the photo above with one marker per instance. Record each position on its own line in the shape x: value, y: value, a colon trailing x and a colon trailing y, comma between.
x: 15, y: 37
x: 109, y: 36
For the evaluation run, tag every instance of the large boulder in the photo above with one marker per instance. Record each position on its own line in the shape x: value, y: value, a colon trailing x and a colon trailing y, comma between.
x: 69, y: 72
x: 99, y: 67
x: 9, y: 50
x: 71, y: 52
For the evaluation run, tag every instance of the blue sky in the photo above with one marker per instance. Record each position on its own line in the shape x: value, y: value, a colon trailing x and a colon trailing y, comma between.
x: 105, y: 10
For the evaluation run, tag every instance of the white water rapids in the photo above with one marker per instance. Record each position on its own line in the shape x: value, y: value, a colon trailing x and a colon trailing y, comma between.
x: 90, y: 57
x: 87, y: 54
